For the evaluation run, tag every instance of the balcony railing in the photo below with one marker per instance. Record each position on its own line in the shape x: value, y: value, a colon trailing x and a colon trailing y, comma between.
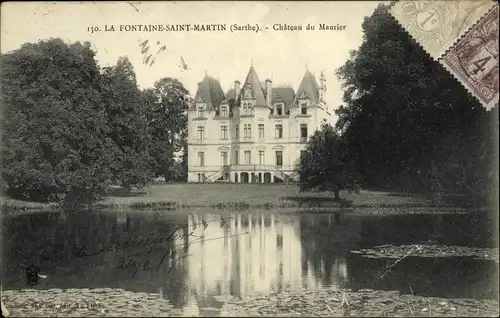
x: 244, y: 166
x: 268, y: 140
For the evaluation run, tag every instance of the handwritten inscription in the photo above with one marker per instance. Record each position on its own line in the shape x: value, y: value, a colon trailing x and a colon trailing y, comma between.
x: 143, y: 261
x: 149, y: 253
x: 148, y: 57
x: 146, y: 265
x: 150, y: 240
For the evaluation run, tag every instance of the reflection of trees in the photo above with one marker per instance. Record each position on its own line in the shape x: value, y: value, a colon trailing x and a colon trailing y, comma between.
x: 51, y: 240
x: 326, y: 246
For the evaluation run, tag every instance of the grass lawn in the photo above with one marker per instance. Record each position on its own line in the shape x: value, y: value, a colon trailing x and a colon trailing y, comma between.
x: 234, y: 196
x: 208, y: 195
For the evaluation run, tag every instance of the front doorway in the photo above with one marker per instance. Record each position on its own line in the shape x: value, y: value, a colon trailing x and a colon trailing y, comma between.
x: 267, y: 177
x: 244, y: 177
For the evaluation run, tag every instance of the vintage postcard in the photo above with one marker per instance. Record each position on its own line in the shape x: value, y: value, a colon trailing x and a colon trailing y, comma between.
x: 249, y: 158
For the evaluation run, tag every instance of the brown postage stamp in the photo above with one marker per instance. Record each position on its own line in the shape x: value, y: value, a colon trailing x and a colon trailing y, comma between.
x: 474, y: 60
x: 436, y: 25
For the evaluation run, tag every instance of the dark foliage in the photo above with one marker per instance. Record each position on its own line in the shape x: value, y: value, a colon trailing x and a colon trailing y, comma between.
x: 69, y: 129
x: 55, y: 139
x: 326, y: 164
x: 408, y: 122
x: 166, y: 114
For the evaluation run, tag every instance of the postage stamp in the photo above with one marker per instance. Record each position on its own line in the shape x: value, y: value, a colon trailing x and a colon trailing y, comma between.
x: 474, y: 60
x: 437, y: 25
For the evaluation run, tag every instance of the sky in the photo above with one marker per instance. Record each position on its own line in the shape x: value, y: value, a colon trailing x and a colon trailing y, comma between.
x: 282, y: 56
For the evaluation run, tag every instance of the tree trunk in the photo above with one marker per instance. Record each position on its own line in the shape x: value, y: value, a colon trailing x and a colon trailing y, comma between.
x: 337, y: 194
x: 127, y: 187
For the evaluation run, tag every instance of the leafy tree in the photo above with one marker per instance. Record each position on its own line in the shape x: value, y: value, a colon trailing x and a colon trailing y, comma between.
x: 55, y: 143
x: 127, y: 123
x: 183, y: 164
x: 403, y: 111
x: 166, y: 114
x: 326, y: 164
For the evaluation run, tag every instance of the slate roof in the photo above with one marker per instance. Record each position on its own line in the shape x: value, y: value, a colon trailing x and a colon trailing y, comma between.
x: 283, y: 94
x: 309, y: 87
x: 253, y: 82
x: 210, y: 92
x: 230, y: 94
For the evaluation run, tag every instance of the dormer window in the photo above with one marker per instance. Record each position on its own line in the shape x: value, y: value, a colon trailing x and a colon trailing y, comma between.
x: 303, y: 108
x: 223, y: 111
x: 246, y: 110
x: 247, y: 93
x: 279, y: 109
x: 201, y: 111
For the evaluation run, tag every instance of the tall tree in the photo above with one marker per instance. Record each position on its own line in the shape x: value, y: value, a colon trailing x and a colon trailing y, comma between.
x: 402, y: 109
x: 127, y: 123
x: 55, y: 143
x: 166, y: 106
x: 326, y: 164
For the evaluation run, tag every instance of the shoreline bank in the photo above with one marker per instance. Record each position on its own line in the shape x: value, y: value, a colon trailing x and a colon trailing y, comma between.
x: 243, y: 197
x: 320, y: 302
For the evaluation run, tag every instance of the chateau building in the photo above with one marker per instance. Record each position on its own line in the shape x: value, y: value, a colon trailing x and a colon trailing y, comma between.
x: 255, y: 133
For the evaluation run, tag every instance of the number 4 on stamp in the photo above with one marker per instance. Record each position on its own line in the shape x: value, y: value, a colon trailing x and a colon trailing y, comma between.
x: 474, y: 60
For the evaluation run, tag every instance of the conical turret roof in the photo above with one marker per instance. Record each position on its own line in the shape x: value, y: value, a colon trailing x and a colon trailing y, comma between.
x: 252, y: 82
x: 209, y: 92
x: 308, y: 89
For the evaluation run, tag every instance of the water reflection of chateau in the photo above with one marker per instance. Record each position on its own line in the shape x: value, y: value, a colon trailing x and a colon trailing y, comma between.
x: 251, y: 252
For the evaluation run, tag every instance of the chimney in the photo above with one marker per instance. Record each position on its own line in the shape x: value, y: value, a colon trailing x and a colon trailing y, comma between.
x: 269, y: 95
x: 236, y: 89
x: 322, y: 86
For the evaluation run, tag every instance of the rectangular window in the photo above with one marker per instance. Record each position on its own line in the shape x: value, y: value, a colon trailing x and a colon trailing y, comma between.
x: 279, y: 158
x: 279, y: 109
x: 303, y: 109
x: 246, y: 109
x: 223, y: 112
x: 201, y: 133
x: 201, y: 111
x: 223, y: 132
x: 261, y: 157
x: 201, y: 159
x: 249, y: 130
x: 303, y: 131
x: 237, y: 157
x: 279, y: 131
x: 237, y: 131
x: 248, y: 157
x: 261, y: 130
x: 245, y: 130
x: 223, y: 158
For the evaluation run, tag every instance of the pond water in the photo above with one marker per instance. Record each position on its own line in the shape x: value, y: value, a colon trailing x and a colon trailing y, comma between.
x: 191, y: 256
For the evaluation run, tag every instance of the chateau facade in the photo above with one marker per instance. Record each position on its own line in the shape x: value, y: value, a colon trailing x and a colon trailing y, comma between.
x: 254, y: 133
